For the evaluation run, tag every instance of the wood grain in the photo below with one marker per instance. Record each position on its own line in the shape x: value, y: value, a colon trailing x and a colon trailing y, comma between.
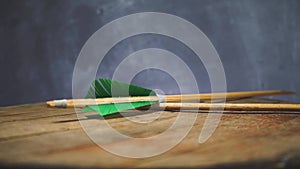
x: 36, y: 135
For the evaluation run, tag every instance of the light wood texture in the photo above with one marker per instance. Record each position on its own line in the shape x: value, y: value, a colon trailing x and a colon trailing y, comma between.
x: 171, y: 98
x: 232, y: 106
x: 228, y: 95
x: 35, y: 135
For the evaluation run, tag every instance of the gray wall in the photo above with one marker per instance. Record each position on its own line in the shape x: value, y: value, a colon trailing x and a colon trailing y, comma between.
x: 258, y: 42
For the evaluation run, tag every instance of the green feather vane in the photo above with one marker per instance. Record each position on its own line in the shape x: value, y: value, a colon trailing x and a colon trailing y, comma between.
x: 103, y: 88
x: 107, y: 109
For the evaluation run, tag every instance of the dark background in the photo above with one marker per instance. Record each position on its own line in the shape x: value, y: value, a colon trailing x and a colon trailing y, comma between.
x: 258, y: 42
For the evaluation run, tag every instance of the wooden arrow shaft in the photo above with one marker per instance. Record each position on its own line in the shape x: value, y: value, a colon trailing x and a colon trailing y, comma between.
x: 231, y: 106
x: 228, y: 95
x: 167, y: 98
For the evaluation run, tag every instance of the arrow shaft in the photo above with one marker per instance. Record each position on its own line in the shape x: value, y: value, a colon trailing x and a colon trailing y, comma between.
x: 228, y: 95
x: 167, y: 98
x: 231, y: 106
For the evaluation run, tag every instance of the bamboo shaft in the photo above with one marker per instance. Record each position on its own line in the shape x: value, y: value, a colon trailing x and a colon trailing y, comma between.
x: 168, y: 98
x: 231, y: 106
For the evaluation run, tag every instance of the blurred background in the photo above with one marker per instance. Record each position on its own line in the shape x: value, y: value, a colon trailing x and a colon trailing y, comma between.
x: 257, y: 41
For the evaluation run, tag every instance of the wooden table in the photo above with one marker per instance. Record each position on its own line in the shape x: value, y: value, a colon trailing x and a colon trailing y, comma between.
x: 34, y: 136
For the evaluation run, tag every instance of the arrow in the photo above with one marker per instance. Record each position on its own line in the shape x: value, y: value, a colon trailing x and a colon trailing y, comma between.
x: 109, y: 96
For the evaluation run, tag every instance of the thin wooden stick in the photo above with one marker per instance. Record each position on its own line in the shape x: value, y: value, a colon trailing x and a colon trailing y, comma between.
x: 167, y: 98
x: 85, y: 102
x: 232, y: 106
x: 228, y: 95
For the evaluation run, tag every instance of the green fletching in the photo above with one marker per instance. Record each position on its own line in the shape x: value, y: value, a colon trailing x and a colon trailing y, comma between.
x: 111, y: 88
x: 107, y: 109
